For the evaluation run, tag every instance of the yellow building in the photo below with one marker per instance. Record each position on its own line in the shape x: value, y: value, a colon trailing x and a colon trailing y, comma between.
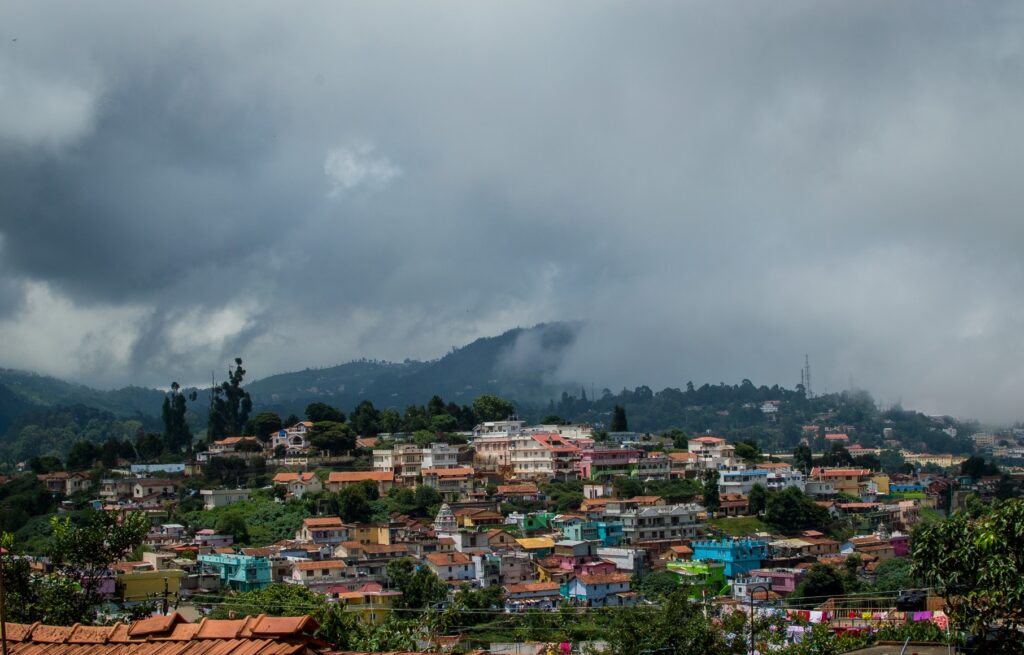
x: 923, y: 459
x: 882, y: 481
x: 142, y: 583
x: 370, y: 603
x: 368, y: 534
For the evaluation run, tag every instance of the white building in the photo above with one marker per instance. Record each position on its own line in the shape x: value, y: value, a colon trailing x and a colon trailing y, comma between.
x: 712, y: 452
x: 664, y: 522
x: 214, y: 498
x: 741, y: 482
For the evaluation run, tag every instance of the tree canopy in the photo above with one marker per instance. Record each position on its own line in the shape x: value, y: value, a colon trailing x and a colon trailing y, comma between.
x: 977, y: 564
x: 791, y: 510
x: 230, y: 406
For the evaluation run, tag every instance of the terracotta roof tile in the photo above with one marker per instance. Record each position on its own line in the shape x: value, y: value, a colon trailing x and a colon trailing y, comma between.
x: 222, y: 629
x: 89, y: 634
x: 51, y: 634
x: 283, y: 625
x: 170, y: 635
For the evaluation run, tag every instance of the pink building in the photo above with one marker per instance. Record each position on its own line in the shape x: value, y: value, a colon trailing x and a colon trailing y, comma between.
x: 783, y: 581
x: 607, y: 462
x: 900, y: 544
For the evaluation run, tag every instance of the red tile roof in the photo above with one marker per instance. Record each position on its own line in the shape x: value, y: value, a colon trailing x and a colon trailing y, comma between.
x: 606, y: 578
x: 324, y: 522
x: 170, y: 635
x: 527, y: 587
x: 448, y: 559
x: 320, y: 564
x: 285, y: 478
x: 359, y: 476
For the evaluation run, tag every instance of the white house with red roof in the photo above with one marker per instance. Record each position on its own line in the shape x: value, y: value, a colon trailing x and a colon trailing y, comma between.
x: 299, y: 484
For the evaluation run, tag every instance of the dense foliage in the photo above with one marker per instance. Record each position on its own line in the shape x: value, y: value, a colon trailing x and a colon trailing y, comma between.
x: 976, y: 560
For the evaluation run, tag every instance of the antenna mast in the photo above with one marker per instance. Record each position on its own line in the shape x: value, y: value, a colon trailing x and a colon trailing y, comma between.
x: 807, y: 376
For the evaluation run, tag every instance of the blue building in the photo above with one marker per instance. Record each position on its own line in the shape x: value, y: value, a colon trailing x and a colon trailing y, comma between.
x: 740, y: 556
x: 240, y: 572
x: 609, y: 533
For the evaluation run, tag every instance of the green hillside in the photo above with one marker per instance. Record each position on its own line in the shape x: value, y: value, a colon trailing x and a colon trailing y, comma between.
x: 488, y: 365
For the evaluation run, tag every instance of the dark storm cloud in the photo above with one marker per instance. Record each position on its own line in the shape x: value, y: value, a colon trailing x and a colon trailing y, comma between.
x: 714, y: 188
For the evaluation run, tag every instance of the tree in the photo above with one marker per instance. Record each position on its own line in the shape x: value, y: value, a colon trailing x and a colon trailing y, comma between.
x: 265, y: 425
x: 820, y: 583
x: 436, y: 406
x: 838, y: 456
x: 712, y: 501
x: 234, y: 524
x: 86, y: 551
x: 230, y: 406
x: 420, y: 587
x: 318, y: 411
x: 353, y: 505
x: 443, y: 423
x: 678, y: 437
x: 619, y: 423
x: 757, y: 499
x: 177, y: 435
x: 656, y: 585
x: 332, y: 437
x: 748, y: 451
x: 677, y: 627
x: 791, y: 510
x: 803, y: 458
x: 891, y: 461
x: 249, y: 446
x: 493, y: 408
x: 365, y: 419
x: 149, y: 445
x: 390, y: 421
x: 627, y: 487
x: 976, y: 467
x: 45, y: 464
x: 977, y: 564
x: 552, y: 419
x: 82, y: 455
x: 894, y: 574
x: 427, y: 499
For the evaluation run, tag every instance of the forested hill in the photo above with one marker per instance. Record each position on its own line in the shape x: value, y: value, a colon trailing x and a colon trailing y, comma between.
x: 22, y: 392
x: 43, y: 415
x: 517, y: 364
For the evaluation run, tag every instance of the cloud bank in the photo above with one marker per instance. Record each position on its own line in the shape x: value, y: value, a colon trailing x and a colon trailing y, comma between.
x: 715, y: 189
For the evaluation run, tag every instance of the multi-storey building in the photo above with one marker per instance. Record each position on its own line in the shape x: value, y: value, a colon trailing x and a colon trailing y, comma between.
x: 407, y: 461
x: 608, y: 463
x: 712, y: 452
x: 741, y: 482
x: 851, y: 481
x: 451, y: 483
x: 327, y: 530
x: 239, y: 572
x: 544, y: 456
x: 666, y: 522
x: 740, y: 556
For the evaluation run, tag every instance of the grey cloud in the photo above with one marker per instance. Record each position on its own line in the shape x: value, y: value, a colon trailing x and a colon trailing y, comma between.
x: 714, y: 189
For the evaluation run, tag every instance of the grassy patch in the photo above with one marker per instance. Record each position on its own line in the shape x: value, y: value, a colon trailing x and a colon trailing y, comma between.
x: 738, y: 526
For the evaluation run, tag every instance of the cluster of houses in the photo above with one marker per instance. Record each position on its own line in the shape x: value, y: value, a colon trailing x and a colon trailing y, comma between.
x: 495, y: 526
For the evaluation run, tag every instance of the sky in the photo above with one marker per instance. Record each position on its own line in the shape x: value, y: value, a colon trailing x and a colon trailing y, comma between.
x: 715, y: 189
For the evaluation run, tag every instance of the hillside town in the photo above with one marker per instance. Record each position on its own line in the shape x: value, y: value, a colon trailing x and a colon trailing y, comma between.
x: 540, y: 518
